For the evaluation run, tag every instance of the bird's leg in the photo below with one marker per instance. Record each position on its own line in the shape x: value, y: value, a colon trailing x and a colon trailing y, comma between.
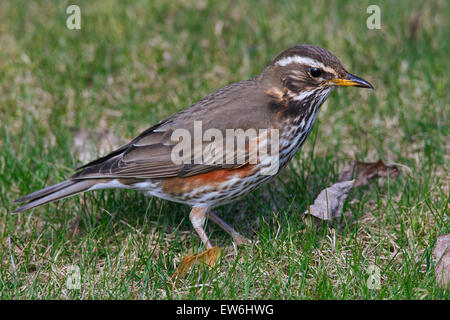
x: 198, y: 217
x: 238, y: 239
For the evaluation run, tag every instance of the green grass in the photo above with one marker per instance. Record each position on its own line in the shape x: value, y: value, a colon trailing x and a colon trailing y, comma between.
x: 132, y: 64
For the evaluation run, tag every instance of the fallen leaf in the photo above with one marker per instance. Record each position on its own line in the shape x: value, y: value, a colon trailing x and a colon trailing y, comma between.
x: 208, y: 257
x: 441, y: 253
x: 330, y: 201
x: 363, y: 172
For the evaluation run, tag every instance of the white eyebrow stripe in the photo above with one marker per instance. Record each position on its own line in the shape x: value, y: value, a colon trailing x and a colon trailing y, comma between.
x: 304, y: 60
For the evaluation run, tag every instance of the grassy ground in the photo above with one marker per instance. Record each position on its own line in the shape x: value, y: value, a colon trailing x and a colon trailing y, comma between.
x: 131, y: 65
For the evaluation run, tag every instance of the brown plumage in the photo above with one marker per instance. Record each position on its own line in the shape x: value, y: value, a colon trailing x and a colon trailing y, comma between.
x: 285, y: 97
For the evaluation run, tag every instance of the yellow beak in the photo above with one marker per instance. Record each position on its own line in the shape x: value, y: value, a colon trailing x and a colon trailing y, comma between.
x: 351, y: 81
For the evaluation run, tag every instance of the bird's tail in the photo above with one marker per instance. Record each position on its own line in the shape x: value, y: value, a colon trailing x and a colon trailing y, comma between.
x: 58, y: 191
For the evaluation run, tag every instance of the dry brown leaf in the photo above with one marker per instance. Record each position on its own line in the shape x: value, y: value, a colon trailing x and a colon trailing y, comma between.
x: 442, y: 255
x: 330, y: 201
x: 208, y: 257
x: 363, y: 172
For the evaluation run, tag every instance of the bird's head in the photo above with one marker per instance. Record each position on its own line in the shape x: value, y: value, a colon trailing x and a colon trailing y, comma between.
x: 305, y: 69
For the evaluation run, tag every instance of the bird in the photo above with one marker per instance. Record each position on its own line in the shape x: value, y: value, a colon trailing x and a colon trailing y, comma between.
x: 175, y: 161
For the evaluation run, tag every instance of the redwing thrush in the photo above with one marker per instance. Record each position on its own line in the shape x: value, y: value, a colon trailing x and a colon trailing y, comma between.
x: 285, y: 96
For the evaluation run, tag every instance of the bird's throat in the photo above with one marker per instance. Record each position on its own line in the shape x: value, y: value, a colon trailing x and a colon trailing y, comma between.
x: 288, y: 105
x: 296, y: 115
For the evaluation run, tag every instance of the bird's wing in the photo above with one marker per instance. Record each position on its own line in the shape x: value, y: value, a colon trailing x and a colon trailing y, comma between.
x: 150, y: 155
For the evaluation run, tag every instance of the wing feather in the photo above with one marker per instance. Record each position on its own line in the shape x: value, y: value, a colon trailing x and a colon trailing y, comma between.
x: 149, y: 155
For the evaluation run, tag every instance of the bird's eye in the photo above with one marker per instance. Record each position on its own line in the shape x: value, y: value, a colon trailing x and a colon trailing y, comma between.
x: 315, y: 72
